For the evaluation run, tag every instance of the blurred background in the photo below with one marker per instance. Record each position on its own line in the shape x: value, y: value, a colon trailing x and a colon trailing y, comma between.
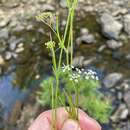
x: 102, y: 42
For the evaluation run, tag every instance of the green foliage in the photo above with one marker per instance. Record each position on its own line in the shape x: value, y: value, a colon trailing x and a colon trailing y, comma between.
x: 90, y: 99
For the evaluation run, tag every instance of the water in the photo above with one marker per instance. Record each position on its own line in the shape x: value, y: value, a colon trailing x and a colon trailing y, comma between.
x: 10, y: 94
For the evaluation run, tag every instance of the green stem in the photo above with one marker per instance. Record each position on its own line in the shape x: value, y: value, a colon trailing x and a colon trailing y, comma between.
x: 67, y: 57
x: 60, y: 58
x: 77, y: 100
x: 71, y: 36
x: 67, y: 25
x: 53, y: 106
x: 54, y: 59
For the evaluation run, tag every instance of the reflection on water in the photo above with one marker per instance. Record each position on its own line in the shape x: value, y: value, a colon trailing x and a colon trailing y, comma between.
x: 9, y: 94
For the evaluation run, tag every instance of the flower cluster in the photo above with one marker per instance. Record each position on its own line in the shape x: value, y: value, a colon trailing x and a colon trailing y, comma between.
x: 43, y: 16
x: 50, y: 44
x: 91, y: 74
x: 66, y: 68
x: 74, y: 77
x: 80, y: 73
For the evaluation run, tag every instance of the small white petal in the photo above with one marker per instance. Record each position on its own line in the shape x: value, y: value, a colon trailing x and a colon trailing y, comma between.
x: 82, y: 69
x: 77, y: 69
x: 76, y: 80
x: 72, y: 67
x: 96, y: 78
x: 92, y: 76
x: 86, y: 77
x: 79, y: 72
x: 85, y: 73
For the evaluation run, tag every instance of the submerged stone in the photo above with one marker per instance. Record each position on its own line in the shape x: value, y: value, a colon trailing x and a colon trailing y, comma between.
x: 113, y: 44
x: 112, y: 79
x: 111, y: 28
x: 127, y: 23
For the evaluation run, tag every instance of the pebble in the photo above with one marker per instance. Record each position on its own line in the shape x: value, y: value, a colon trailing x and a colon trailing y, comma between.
x: 19, y: 49
x: 127, y: 23
x: 127, y: 98
x: 121, y: 113
x: 78, y: 61
x: 8, y: 55
x: 1, y: 71
x: 2, y: 62
x: 4, y: 33
x: 111, y: 28
x: 15, y: 113
x: 63, y: 3
x: 128, y: 56
x: 4, y: 22
x: 84, y: 31
x: 113, y: 44
x: 112, y: 79
x: 85, y: 39
x: 120, y: 96
x: 3, y: 46
x: 101, y: 48
x: 13, y: 42
x: 89, y: 61
x: 48, y: 7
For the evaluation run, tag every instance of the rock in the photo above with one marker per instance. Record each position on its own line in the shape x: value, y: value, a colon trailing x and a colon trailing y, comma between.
x: 3, y: 46
x: 89, y: 61
x: 2, y: 62
x: 120, y: 2
x: 85, y: 39
x: 120, y: 11
x: 89, y: 8
x: 124, y: 114
x: 15, y: 113
x: 8, y: 55
x: 84, y: 31
x: 1, y: 71
x: 128, y: 57
x: 4, y: 22
x: 112, y: 44
x: 13, y: 42
x: 120, y: 114
x: 111, y: 28
x: 27, y: 116
x: 118, y: 55
x: 127, y: 23
x: 19, y: 49
x: 125, y: 85
x: 78, y: 61
x: 119, y: 96
x: 112, y: 79
x: 18, y: 27
x: 20, y: 45
x: 48, y: 7
x: 127, y: 98
x: 101, y: 48
x: 4, y: 33
x: 63, y: 3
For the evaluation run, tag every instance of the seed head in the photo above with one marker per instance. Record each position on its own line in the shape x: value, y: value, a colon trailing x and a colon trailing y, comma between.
x: 50, y: 44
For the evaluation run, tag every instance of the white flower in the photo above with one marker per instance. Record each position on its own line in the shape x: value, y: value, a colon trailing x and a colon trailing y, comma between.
x: 87, y: 77
x: 82, y: 69
x: 79, y: 72
x: 72, y: 66
x: 76, y: 80
x: 66, y: 68
x: 91, y: 74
